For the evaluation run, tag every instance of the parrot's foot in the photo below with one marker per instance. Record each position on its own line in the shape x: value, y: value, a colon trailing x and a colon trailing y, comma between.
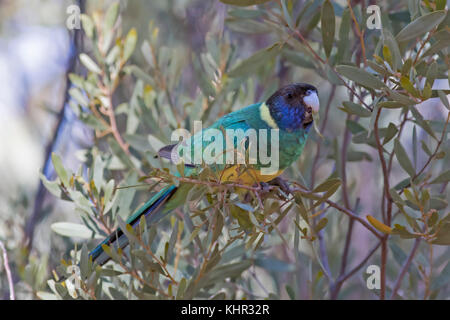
x: 265, y: 187
x: 284, y: 186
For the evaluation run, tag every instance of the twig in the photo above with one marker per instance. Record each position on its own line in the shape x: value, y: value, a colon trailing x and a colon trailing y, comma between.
x: 405, y: 268
x: 359, y: 33
x: 303, y: 40
x: 343, y: 210
x: 389, y: 206
x: 360, y: 265
x: 115, y: 131
x: 444, y: 131
x: 384, y: 167
x: 12, y: 295
x: 422, y: 46
x: 348, y: 239
x: 430, y: 273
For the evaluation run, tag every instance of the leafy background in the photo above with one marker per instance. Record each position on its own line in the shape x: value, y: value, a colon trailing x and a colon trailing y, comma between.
x: 86, y: 111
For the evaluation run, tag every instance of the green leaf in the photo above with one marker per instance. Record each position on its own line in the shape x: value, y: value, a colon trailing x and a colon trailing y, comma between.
x: 181, y: 288
x: 408, y: 86
x: 406, y: 69
x: 432, y: 73
x: 436, y: 47
x: 242, y: 216
x: 290, y: 292
x: 421, y: 25
x: 321, y: 224
x: 358, y: 156
x: 403, y: 232
x: 387, y: 55
x: 400, y: 98
x: 244, y: 3
x: 422, y: 123
x: 344, y: 29
x: 52, y: 186
x: 394, y: 50
x: 249, y: 65
x: 443, y: 278
x: 179, y: 198
x: 204, y: 83
x: 327, y: 185
x: 248, y: 26
x: 354, y: 127
x: 139, y: 73
x: 103, y: 272
x: 245, y: 13
x: 399, y: 255
x: 59, y: 168
x: 111, y: 16
x: 395, y: 196
x: 438, y: 204
x: 89, y: 63
x: 354, y: 108
x: 297, y: 58
x: 379, y: 225
x: 88, y: 25
x: 273, y: 264
x: 443, y: 235
x: 391, y: 104
x: 130, y: 44
x: 79, y: 97
x: 403, y: 158
x: 360, y: 76
x: 390, y: 133
x: 287, y: 15
x: 70, y: 230
x: 328, y: 24
x: 442, y: 178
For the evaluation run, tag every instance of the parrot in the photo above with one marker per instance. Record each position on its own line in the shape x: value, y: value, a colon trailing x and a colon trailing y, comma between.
x: 290, y: 110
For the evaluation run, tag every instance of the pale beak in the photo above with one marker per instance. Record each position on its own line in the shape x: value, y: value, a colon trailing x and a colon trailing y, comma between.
x: 312, y: 101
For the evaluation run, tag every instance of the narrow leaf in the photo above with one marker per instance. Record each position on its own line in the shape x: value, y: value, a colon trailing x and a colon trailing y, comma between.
x: 421, y: 25
x: 360, y: 76
x: 403, y: 158
x: 328, y: 27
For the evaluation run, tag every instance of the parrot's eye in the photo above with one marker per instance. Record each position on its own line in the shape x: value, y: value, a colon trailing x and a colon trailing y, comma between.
x: 309, y: 92
x: 289, y: 96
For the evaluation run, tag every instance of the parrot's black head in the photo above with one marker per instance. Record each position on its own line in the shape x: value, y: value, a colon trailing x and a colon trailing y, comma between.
x: 292, y: 106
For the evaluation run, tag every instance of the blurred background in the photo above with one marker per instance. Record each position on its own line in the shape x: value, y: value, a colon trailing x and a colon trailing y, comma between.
x: 36, y: 53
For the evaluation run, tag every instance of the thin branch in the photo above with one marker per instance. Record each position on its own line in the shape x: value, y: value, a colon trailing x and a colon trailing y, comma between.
x: 405, y: 268
x: 359, y: 33
x: 444, y: 131
x: 348, y: 241
x: 384, y: 167
x: 303, y: 40
x: 360, y: 265
x: 388, y: 216
x: 115, y: 131
x: 12, y: 295
x: 342, y: 209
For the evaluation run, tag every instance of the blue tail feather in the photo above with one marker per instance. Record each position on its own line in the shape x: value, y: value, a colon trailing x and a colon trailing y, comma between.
x: 150, y: 210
